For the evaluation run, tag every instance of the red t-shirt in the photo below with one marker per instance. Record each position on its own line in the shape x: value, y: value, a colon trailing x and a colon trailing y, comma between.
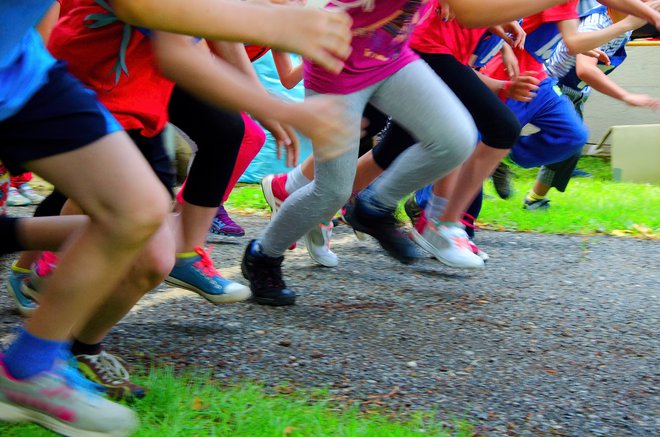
x: 434, y: 35
x: 526, y: 61
x: 255, y: 52
x: 138, y: 100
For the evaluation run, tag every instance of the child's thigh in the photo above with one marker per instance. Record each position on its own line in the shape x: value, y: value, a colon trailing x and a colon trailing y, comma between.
x: 417, y: 99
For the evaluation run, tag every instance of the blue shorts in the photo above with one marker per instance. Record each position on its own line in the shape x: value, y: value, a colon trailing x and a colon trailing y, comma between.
x: 62, y: 116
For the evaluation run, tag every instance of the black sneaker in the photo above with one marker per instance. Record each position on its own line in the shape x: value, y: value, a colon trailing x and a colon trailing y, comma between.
x: 384, y: 228
x: 265, y: 276
x: 502, y: 181
x: 536, y: 204
x: 413, y: 210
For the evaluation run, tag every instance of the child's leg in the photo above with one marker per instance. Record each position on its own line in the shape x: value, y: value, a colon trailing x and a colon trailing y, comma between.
x: 443, y: 126
x: 114, y: 237
x: 253, y: 140
x: 218, y: 135
x: 315, y: 202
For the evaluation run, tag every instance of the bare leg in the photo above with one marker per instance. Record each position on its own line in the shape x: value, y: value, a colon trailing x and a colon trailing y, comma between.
x: 367, y: 171
x: 115, y: 235
x: 472, y: 175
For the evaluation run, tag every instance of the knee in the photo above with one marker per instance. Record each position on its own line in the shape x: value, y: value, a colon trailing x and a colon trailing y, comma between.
x: 137, y: 217
x: 502, y: 134
x: 579, y: 135
x: 459, y: 145
x: 334, y: 197
x: 153, y: 265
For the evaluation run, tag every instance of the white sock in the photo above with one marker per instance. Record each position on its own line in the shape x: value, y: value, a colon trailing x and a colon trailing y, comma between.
x: 295, y: 180
x: 435, y: 207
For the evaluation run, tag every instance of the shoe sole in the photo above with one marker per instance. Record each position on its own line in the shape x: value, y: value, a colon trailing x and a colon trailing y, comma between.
x: 213, y: 298
x: 25, y: 311
x: 227, y: 234
x: 13, y: 413
x: 424, y: 244
x: 279, y: 302
x: 316, y: 259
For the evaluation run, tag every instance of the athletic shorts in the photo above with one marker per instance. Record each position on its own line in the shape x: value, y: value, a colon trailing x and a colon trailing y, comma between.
x: 61, y: 117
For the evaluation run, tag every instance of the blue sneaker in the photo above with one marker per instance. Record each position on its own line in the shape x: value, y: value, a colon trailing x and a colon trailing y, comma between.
x: 195, y: 271
x: 17, y: 277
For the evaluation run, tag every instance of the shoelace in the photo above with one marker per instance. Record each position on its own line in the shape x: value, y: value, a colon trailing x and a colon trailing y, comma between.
x: 68, y: 369
x: 464, y: 221
x: 328, y: 228
x: 109, y: 366
x: 268, y: 276
x: 205, y: 263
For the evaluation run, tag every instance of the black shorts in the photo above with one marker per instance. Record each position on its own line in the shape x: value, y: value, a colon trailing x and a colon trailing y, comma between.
x: 62, y: 116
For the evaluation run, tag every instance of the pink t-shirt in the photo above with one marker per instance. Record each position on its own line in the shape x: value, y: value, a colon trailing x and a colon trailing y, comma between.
x: 380, y: 47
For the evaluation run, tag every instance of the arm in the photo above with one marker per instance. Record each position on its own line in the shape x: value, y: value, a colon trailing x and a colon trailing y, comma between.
x: 579, y: 42
x: 47, y: 23
x: 284, y: 135
x: 290, y: 76
x: 475, y: 13
x: 319, y: 35
x: 588, y: 71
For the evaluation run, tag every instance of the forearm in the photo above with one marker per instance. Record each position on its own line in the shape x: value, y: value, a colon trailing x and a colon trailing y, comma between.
x: 477, y: 13
x: 599, y: 81
x: 214, y: 80
x: 634, y: 7
x: 495, y: 85
x: 234, y: 53
x: 580, y: 42
x: 290, y: 76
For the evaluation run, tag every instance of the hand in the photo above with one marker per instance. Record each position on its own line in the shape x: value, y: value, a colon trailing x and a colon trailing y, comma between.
x: 642, y: 101
x: 324, y: 119
x: 524, y: 87
x: 285, y: 136
x: 320, y: 35
x: 519, y: 35
x: 598, y: 54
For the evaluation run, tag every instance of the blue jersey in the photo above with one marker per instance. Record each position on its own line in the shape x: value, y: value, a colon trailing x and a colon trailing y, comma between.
x: 24, y: 60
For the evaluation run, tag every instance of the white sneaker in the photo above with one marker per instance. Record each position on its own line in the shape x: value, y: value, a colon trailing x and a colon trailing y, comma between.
x: 477, y: 251
x: 14, y: 198
x: 317, y: 242
x: 448, y: 244
x: 28, y: 192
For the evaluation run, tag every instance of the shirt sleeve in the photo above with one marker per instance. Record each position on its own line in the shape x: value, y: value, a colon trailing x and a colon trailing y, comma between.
x: 566, y: 11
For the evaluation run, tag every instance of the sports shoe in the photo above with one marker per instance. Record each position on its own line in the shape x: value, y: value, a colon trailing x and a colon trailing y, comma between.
x: 41, y: 270
x: 197, y: 273
x: 17, y: 276
x: 412, y: 209
x: 502, y: 181
x: 56, y: 402
x: 359, y: 235
x: 317, y: 242
x: 109, y: 372
x: 448, y: 244
x: 532, y: 205
x: 28, y: 192
x: 224, y: 225
x: 477, y: 251
x: 383, y: 227
x: 14, y: 198
x: 274, y: 191
x: 265, y: 276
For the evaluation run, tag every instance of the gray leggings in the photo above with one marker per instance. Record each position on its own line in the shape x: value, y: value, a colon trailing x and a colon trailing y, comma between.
x: 420, y: 102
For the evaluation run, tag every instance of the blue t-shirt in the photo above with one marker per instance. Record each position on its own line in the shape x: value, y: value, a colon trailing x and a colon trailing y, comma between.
x: 24, y: 60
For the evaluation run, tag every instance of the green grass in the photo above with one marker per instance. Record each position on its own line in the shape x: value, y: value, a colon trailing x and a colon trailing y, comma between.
x: 589, y: 205
x: 193, y: 405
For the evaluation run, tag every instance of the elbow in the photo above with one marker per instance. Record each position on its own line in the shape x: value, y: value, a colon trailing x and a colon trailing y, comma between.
x: 573, y: 49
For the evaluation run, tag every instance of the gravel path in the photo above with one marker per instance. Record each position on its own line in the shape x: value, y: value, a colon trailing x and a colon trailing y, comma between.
x: 558, y: 336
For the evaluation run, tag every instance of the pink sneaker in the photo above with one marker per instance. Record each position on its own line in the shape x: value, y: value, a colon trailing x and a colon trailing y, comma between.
x: 274, y: 191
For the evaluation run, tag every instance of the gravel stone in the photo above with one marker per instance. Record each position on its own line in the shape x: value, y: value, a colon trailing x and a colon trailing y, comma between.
x: 557, y: 335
